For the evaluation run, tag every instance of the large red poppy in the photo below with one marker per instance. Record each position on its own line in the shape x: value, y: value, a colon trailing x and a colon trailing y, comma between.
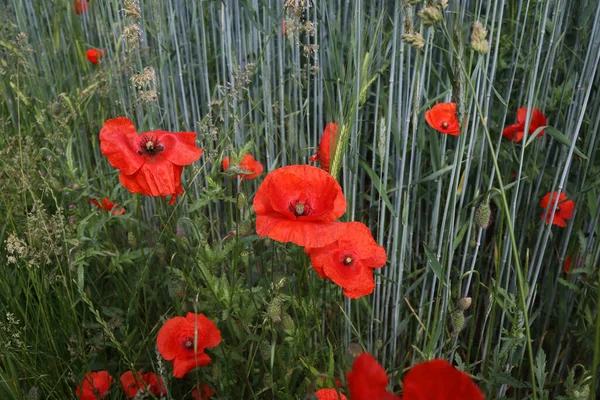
x: 95, y: 386
x: 515, y: 133
x: 323, y: 153
x: 183, y: 341
x: 249, y: 167
x: 298, y: 204
x: 203, y: 392
x: 349, y: 261
x: 94, y: 55
x: 564, y: 210
x: 150, y: 163
x: 330, y: 394
x: 439, y: 380
x: 442, y: 118
x: 80, y: 6
x: 368, y: 381
x: 108, y: 205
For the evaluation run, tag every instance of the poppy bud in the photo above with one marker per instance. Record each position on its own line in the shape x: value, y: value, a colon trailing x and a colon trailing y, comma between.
x: 464, y: 303
x: 242, y: 202
x: 457, y: 321
x: 131, y: 239
x: 265, y: 349
x: 354, y: 349
x: 379, y: 344
x: 483, y: 215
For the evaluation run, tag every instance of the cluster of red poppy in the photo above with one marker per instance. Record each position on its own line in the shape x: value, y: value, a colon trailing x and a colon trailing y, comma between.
x: 300, y: 204
x: 96, y: 385
x: 442, y: 117
x: 433, y: 380
x: 181, y: 341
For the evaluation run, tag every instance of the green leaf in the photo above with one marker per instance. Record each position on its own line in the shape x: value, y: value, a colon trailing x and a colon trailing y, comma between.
x: 558, y: 135
x: 434, y: 263
x: 435, y: 175
x: 379, y: 186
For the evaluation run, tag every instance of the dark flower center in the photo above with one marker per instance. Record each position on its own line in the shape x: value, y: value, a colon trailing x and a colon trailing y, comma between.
x: 188, y: 343
x: 348, y: 260
x: 444, y: 124
x: 150, y: 145
x: 300, y: 208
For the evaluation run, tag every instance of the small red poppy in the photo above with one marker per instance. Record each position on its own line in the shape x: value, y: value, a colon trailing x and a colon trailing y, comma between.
x: 350, y: 260
x: 177, y: 342
x: 330, y: 394
x: 131, y: 384
x: 94, y: 55
x: 108, y: 205
x: 249, y: 167
x: 442, y: 118
x: 95, y: 386
x: 298, y: 204
x: 323, y: 153
x: 569, y: 266
x: 203, y: 392
x: 515, y: 133
x: 150, y: 163
x: 564, y: 210
x: 368, y: 381
x: 80, y: 6
x: 439, y: 380
x: 155, y: 383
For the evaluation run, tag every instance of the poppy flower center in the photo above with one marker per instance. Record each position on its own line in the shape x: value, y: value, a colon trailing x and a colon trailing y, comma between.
x: 348, y: 260
x: 150, y: 145
x: 300, y: 208
x: 188, y: 343
x: 444, y: 124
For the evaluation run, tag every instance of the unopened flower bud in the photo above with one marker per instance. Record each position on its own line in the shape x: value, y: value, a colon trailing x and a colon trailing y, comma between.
x: 464, y: 303
x: 483, y: 215
x: 457, y: 321
x: 354, y: 349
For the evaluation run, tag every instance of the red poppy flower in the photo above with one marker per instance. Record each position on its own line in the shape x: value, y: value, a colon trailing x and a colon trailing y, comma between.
x: 95, y: 386
x: 439, y: 380
x: 569, y: 265
x: 177, y: 342
x: 80, y: 6
x: 367, y: 380
x: 323, y: 153
x: 329, y: 394
x: 108, y: 205
x: 442, y: 118
x: 249, y: 167
x: 203, y: 392
x: 514, y: 132
x: 298, y: 204
x: 349, y: 261
x: 131, y: 384
x: 94, y: 55
x: 150, y: 163
x: 564, y: 210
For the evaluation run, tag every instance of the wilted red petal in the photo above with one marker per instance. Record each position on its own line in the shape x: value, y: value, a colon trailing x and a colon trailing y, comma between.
x: 330, y: 394
x: 118, y: 143
x: 438, y: 379
x: 250, y: 165
x: 442, y: 118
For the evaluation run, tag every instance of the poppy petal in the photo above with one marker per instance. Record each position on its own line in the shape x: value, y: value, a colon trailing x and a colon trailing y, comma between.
x: 310, y: 233
x: 179, y: 147
x: 208, y: 334
x: 118, y: 144
x: 183, y: 365
x: 154, y: 179
x: 169, y: 337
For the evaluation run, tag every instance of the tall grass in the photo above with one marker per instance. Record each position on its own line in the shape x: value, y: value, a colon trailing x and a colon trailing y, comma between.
x: 265, y: 77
